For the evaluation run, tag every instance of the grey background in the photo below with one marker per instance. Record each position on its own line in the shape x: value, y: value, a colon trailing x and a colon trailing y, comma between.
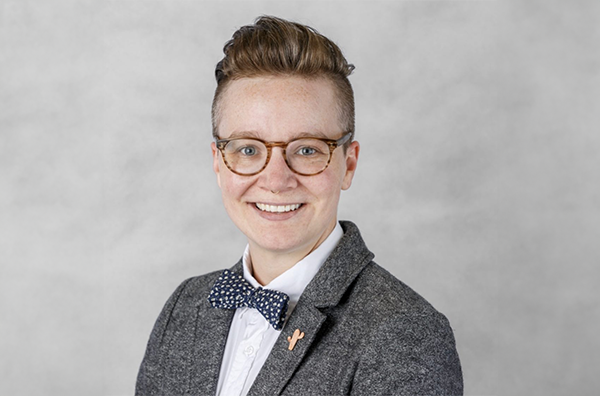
x: 477, y: 182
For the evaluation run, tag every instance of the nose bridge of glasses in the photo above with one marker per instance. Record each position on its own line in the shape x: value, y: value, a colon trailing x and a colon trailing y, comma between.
x: 272, y: 145
x: 271, y: 152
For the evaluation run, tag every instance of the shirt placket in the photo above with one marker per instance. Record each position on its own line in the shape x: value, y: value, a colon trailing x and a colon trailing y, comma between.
x: 255, y: 328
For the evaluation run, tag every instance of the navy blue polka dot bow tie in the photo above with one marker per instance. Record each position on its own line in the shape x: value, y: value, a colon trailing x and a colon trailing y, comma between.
x: 232, y: 291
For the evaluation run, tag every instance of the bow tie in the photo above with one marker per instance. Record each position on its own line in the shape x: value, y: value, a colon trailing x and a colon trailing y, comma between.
x: 232, y: 291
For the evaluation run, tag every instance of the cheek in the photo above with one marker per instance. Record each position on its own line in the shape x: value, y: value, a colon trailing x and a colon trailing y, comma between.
x: 335, y: 176
x: 233, y: 187
x: 328, y: 188
x: 332, y: 187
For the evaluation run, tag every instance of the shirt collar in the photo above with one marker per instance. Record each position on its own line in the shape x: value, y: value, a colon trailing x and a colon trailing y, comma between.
x: 293, y: 281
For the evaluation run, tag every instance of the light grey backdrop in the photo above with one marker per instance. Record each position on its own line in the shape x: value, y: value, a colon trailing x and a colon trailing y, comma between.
x: 477, y: 185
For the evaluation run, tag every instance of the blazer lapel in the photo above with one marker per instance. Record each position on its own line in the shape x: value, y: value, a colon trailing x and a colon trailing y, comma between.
x: 282, y: 362
x: 212, y: 329
x: 326, y: 289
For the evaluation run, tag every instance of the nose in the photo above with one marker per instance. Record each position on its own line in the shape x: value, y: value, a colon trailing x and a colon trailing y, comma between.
x: 277, y: 176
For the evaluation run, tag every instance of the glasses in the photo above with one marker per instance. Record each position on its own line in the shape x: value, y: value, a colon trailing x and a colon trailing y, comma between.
x: 304, y: 156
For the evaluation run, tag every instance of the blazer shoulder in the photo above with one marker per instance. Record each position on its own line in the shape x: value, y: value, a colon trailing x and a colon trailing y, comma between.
x: 174, y: 336
x: 393, y: 296
x: 199, y: 283
x: 184, y: 301
x: 411, y: 350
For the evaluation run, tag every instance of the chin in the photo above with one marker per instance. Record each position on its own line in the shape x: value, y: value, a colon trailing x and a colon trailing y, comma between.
x: 277, y: 243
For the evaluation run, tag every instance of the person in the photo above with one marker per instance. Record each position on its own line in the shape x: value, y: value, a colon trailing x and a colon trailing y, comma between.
x: 305, y: 311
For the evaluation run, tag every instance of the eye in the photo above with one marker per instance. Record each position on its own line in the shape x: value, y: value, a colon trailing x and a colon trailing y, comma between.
x: 248, y: 151
x: 306, y: 151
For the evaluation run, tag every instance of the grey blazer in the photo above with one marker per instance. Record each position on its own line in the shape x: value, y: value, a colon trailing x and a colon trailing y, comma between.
x: 366, y: 333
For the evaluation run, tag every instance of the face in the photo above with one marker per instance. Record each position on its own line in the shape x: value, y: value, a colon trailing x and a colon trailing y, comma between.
x: 279, y: 109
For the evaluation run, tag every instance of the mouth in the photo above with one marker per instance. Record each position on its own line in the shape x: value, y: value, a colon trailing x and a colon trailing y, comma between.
x: 277, y: 208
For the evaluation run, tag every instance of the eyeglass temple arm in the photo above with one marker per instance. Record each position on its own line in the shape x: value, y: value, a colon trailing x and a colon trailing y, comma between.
x: 343, y: 139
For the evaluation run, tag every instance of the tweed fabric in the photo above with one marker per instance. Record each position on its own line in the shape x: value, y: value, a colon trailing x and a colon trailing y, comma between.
x: 366, y: 333
x: 232, y: 291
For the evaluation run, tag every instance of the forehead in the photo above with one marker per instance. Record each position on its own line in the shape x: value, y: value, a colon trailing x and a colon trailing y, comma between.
x: 279, y: 107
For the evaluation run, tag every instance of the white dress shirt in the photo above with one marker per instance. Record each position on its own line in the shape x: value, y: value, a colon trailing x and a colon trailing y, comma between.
x: 251, y: 338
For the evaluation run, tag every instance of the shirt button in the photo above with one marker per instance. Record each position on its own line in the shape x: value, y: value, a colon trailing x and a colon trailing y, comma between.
x: 249, y: 350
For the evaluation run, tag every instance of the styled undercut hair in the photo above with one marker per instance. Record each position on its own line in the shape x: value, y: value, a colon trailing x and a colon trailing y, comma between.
x: 276, y: 47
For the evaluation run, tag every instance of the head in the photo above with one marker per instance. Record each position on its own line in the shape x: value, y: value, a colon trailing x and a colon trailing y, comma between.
x: 276, y: 47
x: 280, y: 81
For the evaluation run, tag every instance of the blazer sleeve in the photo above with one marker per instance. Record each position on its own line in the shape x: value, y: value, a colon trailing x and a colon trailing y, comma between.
x: 410, y: 355
x: 150, y: 373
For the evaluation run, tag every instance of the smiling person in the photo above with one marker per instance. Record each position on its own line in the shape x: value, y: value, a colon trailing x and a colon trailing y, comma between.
x: 305, y: 311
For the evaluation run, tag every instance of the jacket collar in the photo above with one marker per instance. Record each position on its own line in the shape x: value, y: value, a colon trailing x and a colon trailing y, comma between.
x: 340, y: 269
x: 343, y: 265
x: 326, y: 289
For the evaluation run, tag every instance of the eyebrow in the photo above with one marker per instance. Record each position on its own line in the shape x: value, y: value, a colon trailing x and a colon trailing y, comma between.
x: 243, y: 134
x: 253, y: 134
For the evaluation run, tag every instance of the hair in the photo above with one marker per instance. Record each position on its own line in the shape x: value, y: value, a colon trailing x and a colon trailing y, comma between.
x: 274, y: 46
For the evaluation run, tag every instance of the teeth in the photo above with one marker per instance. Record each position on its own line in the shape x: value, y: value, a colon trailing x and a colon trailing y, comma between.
x: 277, y: 208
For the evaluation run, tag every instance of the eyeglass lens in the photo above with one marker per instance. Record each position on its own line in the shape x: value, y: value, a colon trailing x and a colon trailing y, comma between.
x: 248, y: 156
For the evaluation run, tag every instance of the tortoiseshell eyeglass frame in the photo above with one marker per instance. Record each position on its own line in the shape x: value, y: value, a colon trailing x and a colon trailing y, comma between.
x: 333, y: 144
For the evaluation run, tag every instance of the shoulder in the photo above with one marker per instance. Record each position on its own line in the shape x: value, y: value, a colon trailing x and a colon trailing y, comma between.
x: 193, y: 290
x: 173, y: 334
x: 389, y: 296
x: 201, y: 282
x: 182, y: 307
x: 410, y: 341
x: 398, y: 310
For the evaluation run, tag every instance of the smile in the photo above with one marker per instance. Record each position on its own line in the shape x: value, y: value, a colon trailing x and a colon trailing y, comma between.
x: 277, y: 208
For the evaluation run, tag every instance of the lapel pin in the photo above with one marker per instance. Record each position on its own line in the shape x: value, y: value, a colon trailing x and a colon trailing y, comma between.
x: 298, y: 335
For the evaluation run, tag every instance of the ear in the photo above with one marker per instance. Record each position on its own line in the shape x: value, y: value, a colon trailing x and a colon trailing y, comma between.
x: 351, y: 163
x: 216, y: 162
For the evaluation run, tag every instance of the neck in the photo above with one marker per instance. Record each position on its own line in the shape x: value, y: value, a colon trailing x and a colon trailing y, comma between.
x: 267, y: 265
